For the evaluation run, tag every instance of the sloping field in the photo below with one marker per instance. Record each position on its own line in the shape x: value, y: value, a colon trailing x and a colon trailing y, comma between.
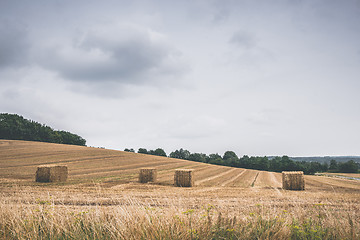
x: 19, y: 161
x: 103, y: 193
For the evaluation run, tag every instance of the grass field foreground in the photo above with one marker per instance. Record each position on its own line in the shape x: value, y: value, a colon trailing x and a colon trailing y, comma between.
x: 103, y: 200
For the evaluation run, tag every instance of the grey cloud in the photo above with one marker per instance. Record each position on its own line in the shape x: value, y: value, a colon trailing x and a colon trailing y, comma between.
x: 266, y: 76
x: 13, y: 45
x: 11, y: 94
x: 243, y: 39
x: 221, y: 11
x: 122, y: 53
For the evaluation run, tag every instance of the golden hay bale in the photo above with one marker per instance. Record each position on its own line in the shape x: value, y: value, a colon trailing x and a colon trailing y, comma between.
x: 147, y: 175
x: 184, y: 178
x: 293, y: 180
x: 51, y: 173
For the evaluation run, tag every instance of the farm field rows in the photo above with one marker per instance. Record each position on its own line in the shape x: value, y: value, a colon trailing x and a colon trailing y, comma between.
x: 105, y: 182
x: 19, y: 161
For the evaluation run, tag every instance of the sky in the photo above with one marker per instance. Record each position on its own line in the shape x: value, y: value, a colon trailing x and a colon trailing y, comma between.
x: 279, y: 77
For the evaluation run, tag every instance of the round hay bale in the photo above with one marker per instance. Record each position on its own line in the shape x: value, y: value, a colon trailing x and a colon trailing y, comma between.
x: 184, y: 178
x: 51, y: 173
x: 293, y: 180
x: 147, y: 175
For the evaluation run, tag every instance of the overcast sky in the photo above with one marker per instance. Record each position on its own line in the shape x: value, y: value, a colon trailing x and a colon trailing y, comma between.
x: 256, y: 77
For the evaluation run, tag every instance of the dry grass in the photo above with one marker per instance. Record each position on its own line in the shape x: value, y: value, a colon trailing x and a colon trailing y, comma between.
x: 152, y: 212
x: 19, y: 160
x: 102, y: 199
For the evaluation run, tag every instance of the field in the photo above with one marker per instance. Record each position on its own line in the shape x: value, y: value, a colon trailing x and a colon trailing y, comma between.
x: 102, y: 199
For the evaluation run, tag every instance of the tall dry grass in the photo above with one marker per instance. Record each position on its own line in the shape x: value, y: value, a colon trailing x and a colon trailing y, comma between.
x: 171, y: 218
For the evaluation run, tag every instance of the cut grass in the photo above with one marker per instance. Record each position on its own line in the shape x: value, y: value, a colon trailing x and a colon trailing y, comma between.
x: 102, y: 199
x: 132, y: 217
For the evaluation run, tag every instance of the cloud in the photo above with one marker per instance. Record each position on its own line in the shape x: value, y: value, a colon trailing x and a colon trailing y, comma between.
x: 121, y: 53
x: 244, y: 40
x: 199, y: 127
x: 14, y: 45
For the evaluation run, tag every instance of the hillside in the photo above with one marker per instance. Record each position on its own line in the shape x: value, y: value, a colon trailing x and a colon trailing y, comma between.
x: 103, y: 199
x: 15, y: 127
x: 19, y: 160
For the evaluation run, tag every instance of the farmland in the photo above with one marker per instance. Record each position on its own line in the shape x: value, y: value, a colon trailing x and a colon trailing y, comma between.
x: 103, y: 191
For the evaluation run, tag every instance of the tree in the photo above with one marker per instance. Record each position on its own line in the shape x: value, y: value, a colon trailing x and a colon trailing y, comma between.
x: 158, y: 152
x: 261, y: 163
x: 15, y: 127
x: 244, y: 161
x: 287, y: 164
x: 197, y: 157
x: 68, y: 138
x: 348, y: 167
x: 143, y: 151
x: 215, y: 159
x: 230, y: 158
x: 181, y: 154
x: 129, y: 150
x: 230, y: 155
x: 333, y: 165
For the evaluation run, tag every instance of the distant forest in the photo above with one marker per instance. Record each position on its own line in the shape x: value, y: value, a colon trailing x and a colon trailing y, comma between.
x: 15, y: 127
x: 327, y: 159
x: 274, y: 163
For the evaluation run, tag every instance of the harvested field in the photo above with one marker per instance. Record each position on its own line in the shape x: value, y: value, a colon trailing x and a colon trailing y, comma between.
x: 214, y: 175
x: 103, y: 185
x: 268, y: 179
x: 19, y: 161
x: 233, y: 177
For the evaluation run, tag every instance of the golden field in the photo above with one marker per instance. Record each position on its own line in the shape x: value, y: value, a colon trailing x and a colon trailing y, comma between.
x: 102, y: 199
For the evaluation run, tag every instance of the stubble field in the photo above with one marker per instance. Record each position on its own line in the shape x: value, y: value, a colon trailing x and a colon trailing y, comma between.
x: 102, y: 199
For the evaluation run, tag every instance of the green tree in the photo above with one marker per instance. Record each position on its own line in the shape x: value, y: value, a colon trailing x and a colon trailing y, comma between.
x: 15, y: 127
x: 348, y: 167
x: 180, y: 154
x: 143, y: 151
x: 228, y: 155
x: 275, y: 164
x: 215, y: 159
x: 197, y: 157
x: 333, y: 165
x: 129, y: 150
x: 158, y: 152
x: 260, y: 163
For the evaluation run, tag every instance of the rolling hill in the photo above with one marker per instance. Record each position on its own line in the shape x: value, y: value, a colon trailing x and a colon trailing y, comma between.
x: 103, y: 199
x: 19, y: 160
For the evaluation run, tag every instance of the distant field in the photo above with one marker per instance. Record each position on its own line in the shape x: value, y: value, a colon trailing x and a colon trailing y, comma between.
x: 19, y: 161
x: 104, y: 182
x: 355, y: 175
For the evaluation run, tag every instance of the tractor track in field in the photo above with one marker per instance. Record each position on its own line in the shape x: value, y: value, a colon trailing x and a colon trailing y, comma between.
x: 253, y: 183
x: 214, y: 177
x: 233, y: 179
x: 81, y: 160
x: 18, y: 161
x: 277, y: 182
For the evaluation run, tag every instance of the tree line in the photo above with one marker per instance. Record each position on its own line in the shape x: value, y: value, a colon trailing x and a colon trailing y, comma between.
x: 15, y: 127
x: 275, y: 164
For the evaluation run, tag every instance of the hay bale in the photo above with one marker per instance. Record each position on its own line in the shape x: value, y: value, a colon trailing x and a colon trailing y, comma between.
x: 184, y: 178
x: 147, y: 175
x: 293, y: 180
x: 51, y: 173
